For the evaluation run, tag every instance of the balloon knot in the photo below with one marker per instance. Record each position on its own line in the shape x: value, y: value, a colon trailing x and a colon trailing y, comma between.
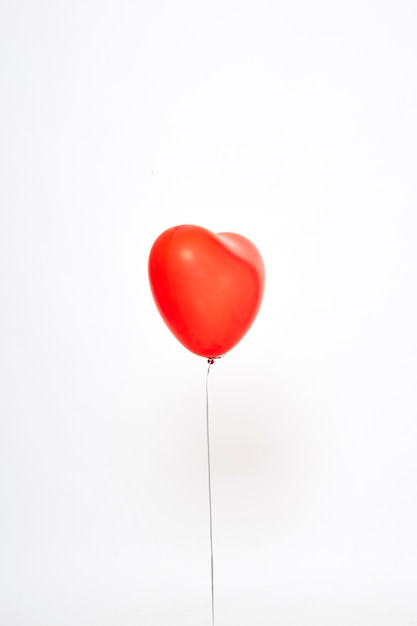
x: 210, y: 361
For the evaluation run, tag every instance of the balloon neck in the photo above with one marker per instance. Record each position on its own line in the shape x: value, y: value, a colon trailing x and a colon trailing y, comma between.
x: 211, y: 360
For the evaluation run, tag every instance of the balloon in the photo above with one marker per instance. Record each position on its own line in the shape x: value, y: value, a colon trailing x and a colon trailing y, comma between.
x: 207, y: 287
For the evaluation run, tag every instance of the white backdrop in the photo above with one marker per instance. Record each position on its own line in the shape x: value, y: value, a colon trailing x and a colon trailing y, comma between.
x: 294, y: 124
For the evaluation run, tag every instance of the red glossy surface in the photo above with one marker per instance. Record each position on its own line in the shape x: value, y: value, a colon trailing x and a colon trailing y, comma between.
x: 207, y: 287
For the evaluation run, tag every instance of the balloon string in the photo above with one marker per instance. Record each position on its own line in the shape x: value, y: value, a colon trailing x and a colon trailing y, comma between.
x: 210, y: 363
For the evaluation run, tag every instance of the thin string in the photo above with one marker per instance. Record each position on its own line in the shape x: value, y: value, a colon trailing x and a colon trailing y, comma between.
x: 210, y: 363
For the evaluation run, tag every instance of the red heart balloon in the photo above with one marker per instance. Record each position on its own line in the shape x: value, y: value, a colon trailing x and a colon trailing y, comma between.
x: 207, y: 287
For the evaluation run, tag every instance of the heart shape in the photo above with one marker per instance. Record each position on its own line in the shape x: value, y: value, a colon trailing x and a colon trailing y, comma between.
x: 207, y: 287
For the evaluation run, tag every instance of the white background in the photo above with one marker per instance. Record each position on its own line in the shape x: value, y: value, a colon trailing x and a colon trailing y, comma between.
x: 294, y: 124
